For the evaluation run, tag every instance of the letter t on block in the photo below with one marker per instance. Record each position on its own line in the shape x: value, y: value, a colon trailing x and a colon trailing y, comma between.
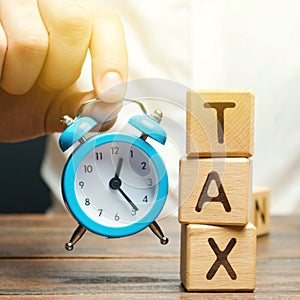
x: 220, y: 123
x: 220, y: 108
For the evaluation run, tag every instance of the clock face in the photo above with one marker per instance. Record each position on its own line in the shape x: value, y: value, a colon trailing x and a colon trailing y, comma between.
x: 117, y: 185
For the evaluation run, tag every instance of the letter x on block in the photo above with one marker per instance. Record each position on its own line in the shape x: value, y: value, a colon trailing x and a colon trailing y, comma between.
x: 222, y: 259
x: 218, y: 258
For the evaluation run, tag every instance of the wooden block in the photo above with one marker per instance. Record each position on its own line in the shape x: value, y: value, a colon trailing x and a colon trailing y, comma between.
x: 220, y: 123
x: 215, y: 258
x: 260, y: 214
x: 215, y: 190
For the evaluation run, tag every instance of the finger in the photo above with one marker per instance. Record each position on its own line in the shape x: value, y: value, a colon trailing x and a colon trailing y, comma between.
x: 69, y: 25
x: 69, y: 102
x: 109, y: 55
x: 3, y: 45
x: 27, y: 45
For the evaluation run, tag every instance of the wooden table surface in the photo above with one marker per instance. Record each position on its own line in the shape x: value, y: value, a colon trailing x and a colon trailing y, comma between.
x: 33, y: 262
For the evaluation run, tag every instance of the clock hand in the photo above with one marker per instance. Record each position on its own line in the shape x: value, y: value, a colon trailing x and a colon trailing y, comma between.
x: 115, y: 183
x: 128, y: 199
x: 119, y: 166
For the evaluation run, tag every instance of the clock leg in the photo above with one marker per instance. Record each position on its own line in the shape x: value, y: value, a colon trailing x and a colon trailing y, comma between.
x: 76, y: 236
x: 158, y: 232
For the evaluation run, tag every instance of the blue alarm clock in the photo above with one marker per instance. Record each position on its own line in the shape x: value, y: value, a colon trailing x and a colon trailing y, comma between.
x: 114, y: 184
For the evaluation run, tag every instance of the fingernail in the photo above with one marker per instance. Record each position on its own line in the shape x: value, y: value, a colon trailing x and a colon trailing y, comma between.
x: 112, y: 87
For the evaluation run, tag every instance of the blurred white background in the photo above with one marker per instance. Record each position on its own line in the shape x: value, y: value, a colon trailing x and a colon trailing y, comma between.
x: 227, y: 44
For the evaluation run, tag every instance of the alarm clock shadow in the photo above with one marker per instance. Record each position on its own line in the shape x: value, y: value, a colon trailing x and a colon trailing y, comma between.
x: 22, y: 189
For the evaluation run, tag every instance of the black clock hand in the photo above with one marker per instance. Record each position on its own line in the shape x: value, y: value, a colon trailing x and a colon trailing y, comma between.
x: 119, y: 166
x: 115, y: 183
x: 128, y: 199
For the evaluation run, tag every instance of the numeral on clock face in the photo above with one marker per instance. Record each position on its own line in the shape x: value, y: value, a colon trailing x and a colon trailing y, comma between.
x: 137, y: 181
x: 99, y: 155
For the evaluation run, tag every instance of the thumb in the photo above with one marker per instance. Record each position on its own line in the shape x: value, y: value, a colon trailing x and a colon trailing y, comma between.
x: 72, y: 102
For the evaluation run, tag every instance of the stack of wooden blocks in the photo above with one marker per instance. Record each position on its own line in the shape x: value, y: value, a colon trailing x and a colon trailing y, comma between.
x: 218, y: 244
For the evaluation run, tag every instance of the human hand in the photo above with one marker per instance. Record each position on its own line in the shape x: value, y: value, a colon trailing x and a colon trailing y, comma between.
x: 43, y: 44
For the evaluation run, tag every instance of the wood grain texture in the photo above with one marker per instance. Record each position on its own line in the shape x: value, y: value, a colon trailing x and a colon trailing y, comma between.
x: 234, y: 174
x: 133, y: 279
x: 34, y: 264
x: 215, y: 258
x: 260, y: 212
x: 220, y: 123
x: 44, y: 236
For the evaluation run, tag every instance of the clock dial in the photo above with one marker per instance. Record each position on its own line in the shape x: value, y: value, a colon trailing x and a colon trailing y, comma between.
x: 116, y: 184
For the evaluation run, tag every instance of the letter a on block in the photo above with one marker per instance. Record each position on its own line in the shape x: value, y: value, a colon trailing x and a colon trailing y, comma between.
x: 214, y: 191
x: 204, y: 197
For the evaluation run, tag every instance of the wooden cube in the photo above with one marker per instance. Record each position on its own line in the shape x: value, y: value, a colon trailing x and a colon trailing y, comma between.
x: 260, y: 214
x: 220, y: 123
x: 215, y: 258
x: 215, y: 191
